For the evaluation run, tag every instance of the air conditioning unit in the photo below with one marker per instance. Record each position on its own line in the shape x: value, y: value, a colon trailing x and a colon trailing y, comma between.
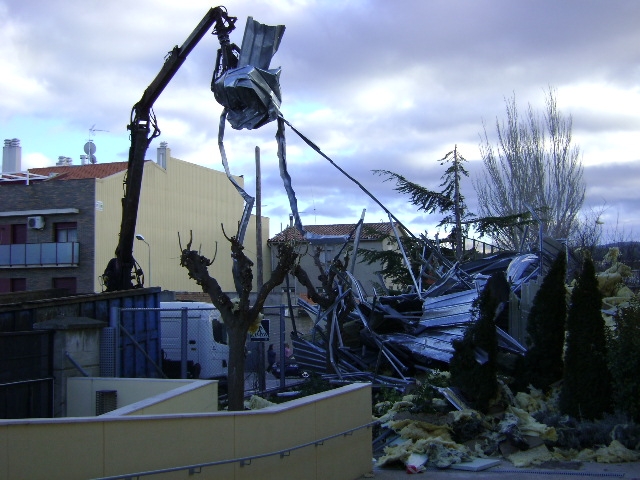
x: 37, y: 223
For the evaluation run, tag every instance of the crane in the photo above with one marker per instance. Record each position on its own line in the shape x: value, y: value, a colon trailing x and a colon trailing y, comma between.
x: 122, y: 270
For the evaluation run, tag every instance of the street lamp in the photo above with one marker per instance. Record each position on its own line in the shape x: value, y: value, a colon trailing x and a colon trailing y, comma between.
x: 141, y: 238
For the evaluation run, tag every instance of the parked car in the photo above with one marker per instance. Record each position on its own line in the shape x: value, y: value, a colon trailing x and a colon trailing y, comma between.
x: 292, y: 369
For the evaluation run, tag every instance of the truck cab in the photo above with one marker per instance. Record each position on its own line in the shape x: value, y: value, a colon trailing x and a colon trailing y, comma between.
x: 207, y: 351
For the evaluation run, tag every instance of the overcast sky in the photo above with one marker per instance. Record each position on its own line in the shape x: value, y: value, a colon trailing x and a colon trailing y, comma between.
x: 375, y: 84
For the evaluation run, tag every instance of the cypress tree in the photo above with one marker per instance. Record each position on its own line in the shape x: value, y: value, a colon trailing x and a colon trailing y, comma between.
x: 586, y: 388
x: 546, y: 327
x: 478, y: 379
x: 624, y: 357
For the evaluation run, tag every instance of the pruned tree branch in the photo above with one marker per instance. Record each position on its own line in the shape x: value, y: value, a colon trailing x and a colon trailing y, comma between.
x: 198, y: 269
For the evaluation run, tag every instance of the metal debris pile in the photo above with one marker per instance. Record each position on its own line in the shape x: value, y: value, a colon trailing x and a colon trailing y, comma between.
x: 388, y: 340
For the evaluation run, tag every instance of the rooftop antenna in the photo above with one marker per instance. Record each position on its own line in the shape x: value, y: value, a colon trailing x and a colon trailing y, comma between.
x: 90, y: 147
x: 313, y: 202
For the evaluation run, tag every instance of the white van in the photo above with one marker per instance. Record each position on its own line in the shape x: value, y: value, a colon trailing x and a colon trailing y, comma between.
x: 207, y: 348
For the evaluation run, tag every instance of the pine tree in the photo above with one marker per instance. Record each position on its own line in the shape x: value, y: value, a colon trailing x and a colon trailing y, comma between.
x: 546, y: 328
x: 586, y: 388
x: 477, y: 377
x: 449, y: 201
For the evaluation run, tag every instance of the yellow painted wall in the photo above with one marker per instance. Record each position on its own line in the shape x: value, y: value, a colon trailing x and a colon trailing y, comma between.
x: 142, y: 396
x: 109, y: 194
x: 185, y: 197
x: 101, y: 446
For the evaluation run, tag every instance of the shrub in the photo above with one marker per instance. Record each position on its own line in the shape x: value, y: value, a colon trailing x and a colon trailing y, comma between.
x: 624, y: 360
x: 542, y: 364
x: 477, y: 379
x: 586, y: 387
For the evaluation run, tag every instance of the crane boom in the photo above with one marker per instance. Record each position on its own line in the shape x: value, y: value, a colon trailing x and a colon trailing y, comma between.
x: 121, y: 269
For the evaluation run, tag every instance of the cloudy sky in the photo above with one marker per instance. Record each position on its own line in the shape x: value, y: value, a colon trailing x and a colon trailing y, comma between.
x: 375, y: 84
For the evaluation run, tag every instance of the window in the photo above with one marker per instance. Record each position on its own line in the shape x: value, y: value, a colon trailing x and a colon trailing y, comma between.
x: 8, y: 285
x: 68, y: 283
x: 18, y: 284
x: 5, y: 234
x: 19, y: 233
x: 13, y: 233
x: 66, y: 232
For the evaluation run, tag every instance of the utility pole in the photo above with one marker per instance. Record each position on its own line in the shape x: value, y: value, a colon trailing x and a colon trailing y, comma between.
x: 260, y: 274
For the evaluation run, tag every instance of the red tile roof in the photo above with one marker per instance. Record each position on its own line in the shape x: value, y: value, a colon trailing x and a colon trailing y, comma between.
x: 370, y: 231
x: 75, y: 172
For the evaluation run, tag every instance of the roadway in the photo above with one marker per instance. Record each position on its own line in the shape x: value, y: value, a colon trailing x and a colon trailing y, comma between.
x: 505, y: 470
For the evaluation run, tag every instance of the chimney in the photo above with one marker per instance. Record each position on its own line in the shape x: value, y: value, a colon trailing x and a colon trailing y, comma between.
x: 163, y: 152
x: 11, y: 156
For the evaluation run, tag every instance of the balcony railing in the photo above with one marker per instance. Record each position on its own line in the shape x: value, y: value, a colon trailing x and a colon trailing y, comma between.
x: 61, y: 254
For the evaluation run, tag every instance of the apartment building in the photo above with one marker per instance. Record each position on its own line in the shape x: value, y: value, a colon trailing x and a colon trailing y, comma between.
x: 59, y: 225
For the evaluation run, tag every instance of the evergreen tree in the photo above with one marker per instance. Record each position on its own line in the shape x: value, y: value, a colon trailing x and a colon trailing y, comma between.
x: 624, y: 358
x: 449, y: 201
x: 546, y: 327
x: 474, y: 364
x: 391, y: 261
x: 586, y: 388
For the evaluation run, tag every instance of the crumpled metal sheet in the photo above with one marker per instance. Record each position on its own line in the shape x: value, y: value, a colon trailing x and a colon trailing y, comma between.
x: 284, y: 174
x: 522, y: 268
x: 251, y: 95
x: 251, y: 92
x: 259, y: 44
x: 248, y: 199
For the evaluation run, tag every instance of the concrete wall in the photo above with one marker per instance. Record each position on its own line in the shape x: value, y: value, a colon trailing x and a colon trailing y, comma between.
x: 77, y: 339
x: 140, y: 396
x: 95, y: 447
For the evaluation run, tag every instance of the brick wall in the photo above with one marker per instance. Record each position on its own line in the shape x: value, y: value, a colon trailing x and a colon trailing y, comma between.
x: 54, y: 194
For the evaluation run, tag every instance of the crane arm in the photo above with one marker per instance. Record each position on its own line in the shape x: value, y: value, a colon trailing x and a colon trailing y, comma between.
x: 122, y: 269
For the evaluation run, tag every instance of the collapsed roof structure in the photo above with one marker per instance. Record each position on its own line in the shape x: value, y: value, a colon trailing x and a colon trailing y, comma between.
x: 388, y: 339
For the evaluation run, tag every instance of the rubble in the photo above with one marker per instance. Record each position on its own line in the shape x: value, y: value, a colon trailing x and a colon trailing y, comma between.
x: 615, y: 452
x: 389, y: 339
x: 460, y: 437
x: 393, y: 341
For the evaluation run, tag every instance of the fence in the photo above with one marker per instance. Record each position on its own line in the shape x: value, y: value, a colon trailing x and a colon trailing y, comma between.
x: 26, y: 375
x: 193, y: 341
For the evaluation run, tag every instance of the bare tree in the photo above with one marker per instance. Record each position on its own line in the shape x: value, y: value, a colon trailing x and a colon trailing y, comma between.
x: 238, y: 315
x: 534, y: 166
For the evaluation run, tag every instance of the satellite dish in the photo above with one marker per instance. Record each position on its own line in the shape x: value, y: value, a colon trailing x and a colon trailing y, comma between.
x: 92, y: 158
x: 89, y: 148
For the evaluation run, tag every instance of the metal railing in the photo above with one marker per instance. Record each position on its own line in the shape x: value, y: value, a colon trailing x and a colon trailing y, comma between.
x: 243, y: 461
x: 479, y: 247
x: 59, y: 254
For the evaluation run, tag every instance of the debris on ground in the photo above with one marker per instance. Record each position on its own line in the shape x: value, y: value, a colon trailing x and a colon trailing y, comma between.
x: 256, y: 402
x: 392, y: 341
x: 458, y: 437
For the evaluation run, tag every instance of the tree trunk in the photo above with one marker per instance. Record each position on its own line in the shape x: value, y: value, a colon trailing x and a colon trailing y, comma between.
x: 237, y: 340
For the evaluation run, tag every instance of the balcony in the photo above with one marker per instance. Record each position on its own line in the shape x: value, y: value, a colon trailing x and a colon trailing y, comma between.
x: 27, y: 255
